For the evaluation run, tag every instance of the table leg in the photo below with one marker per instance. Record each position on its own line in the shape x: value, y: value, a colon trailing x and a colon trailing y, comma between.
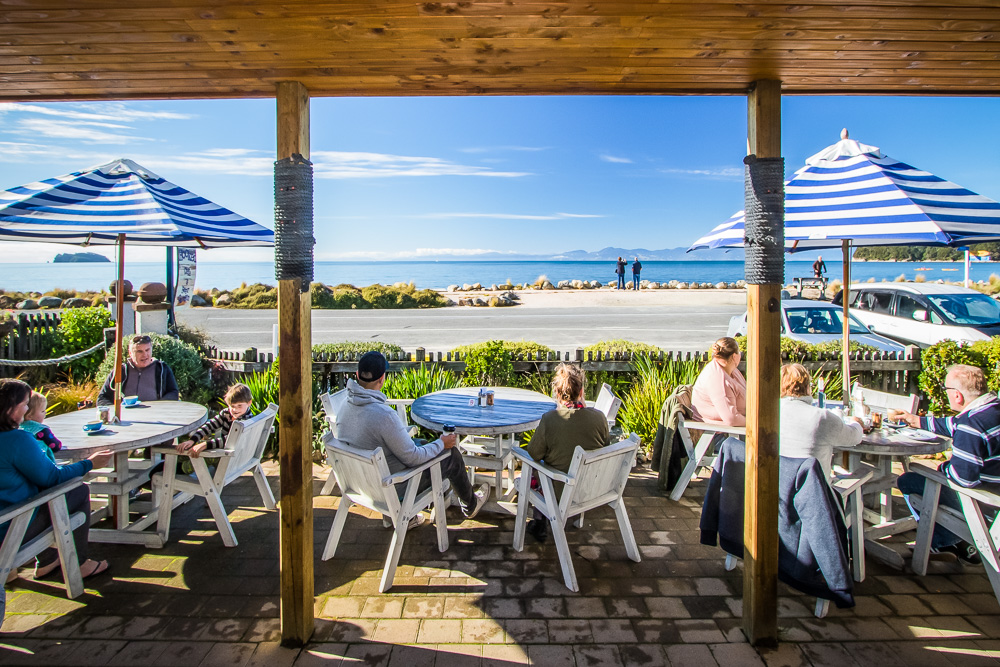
x: 121, y: 501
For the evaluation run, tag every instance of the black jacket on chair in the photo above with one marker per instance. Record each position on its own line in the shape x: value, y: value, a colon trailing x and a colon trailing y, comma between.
x: 812, y: 545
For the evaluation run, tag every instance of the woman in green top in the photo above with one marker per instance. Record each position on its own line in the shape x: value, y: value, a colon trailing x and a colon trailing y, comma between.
x: 570, y: 425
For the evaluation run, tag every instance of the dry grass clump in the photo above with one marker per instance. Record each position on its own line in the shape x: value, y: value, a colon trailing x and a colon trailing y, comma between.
x: 871, y: 280
x: 920, y: 278
x: 901, y: 278
x: 835, y: 286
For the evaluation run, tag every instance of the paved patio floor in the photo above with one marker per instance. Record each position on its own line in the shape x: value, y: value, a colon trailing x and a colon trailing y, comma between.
x: 196, y: 602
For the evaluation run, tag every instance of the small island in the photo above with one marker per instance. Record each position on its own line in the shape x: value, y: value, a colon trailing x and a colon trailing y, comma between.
x: 65, y: 257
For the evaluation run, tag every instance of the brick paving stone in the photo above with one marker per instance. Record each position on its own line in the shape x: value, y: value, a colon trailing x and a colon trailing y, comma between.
x: 503, y: 607
x: 829, y: 655
x: 988, y: 625
x: 731, y: 629
x: 676, y: 587
x: 263, y: 630
x: 736, y: 654
x: 342, y: 607
x: 382, y: 607
x: 633, y: 607
x: 526, y: 631
x: 230, y: 629
x: 545, y: 608
x: 397, y: 630
x: 666, y: 607
x: 919, y: 653
x: 597, y: 656
x: 900, y: 584
x: 656, y: 631
x: 327, y: 655
x: 826, y: 629
x: 232, y: 654
x: 411, y: 656
x: 272, y: 654
x: 415, y: 607
x: 503, y: 655
x: 613, y: 631
x: 463, y: 607
x: 643, y: 655
x: 585, y: 607
x: 82, y: 652
x: 699, y: 631
x: 874, y: 653
x: 570, y: 631
x: 137, y: 653
x: 459, y: 655
x: 551, y: 656
x: 712, y: 607
x: 482, y: 631
x: 868, y: 605
x: 349, y: 631
x: 785, y: 655
x: 440, y: 631
x: 182, y: 653
x: 691, y: 654
x: 906, y: 605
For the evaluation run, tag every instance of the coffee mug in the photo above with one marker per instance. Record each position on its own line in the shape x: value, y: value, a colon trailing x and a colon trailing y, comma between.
x: 95, y: 425
x: 130, y: 400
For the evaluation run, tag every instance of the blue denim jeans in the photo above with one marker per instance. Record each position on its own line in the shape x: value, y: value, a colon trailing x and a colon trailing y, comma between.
x: 635, y: 281
x: 912, y: 482
x: 621, y: 281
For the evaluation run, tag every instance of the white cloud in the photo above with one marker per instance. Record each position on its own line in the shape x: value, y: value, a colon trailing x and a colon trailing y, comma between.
x: 94, y: 112
x: 493, y: 149
x: 12, y: 151
x: 616, y: 160
x: 79, y: 131
x: 719, y: 172
x: 506, y: 216
x: 343, y: 164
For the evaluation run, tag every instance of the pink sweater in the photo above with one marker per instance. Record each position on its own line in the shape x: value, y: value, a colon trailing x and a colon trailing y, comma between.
x: 719, y: 397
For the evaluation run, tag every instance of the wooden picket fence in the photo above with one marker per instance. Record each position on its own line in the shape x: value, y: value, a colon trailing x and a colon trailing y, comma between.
x: 887, y: 371
x: 29, y: 338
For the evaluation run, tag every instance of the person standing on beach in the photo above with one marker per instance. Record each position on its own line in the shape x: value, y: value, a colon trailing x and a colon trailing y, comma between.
x: 819, y: 267
x: 636, y: 268
x: 620, y: 270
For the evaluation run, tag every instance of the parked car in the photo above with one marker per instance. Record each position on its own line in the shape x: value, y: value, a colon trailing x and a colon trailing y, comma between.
x: 817, y: 322
x: 925, y: 313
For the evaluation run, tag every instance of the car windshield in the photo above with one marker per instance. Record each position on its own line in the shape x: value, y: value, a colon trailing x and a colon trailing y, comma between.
x: 969, y: 309
x: 820, y: 321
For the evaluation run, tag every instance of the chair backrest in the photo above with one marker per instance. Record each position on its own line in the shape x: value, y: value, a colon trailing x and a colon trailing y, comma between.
x: 247, y: 440
x: 882, y: 400
x: 400, y: 405
x: 332, y: 404
x: 600, y: 475
x: 360, y: 474
x: 608, y: 403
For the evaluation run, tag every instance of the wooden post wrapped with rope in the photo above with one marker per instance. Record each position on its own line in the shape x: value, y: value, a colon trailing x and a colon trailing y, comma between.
x: 765, y: 267
x: 293, y: 263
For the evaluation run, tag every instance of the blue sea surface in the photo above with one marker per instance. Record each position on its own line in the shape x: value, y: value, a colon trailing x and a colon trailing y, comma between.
x: 440, y: 274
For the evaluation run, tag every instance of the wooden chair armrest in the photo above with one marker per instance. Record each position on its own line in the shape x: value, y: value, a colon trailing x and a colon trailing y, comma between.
x: 40, y: 499
x: 932, y: 473
x: 548, y: 471
x: 217, y: 453
x: 846, y: 483
x: 400, y: 401
x: 405, y: 475
x: 164, y: 449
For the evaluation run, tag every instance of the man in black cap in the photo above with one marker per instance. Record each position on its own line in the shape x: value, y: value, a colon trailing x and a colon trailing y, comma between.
x: 367, y: 421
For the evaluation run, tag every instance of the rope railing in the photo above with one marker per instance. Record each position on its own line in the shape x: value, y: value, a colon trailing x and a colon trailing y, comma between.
x: 51, y: 362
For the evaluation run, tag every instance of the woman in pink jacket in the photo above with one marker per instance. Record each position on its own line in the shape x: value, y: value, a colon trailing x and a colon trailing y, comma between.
x: 720, y: 393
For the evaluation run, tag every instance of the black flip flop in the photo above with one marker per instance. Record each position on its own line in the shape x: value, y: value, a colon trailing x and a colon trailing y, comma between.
x: 102, y: 567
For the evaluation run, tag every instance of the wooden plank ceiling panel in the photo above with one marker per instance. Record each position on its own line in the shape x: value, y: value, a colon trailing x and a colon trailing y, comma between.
x: 89, y: 49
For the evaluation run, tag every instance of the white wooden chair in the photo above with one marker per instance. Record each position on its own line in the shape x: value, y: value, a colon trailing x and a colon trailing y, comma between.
x: 882, y: 401
x: 334, y: 403
x: 364, y: 479
x: 608, y: 403
x: 698, y: 453
x: 594, y: 478
x: 492, y: 453
x: 970, y: 524
x: 13, y: 554
x: 849, y: 487
x: 242, y: 453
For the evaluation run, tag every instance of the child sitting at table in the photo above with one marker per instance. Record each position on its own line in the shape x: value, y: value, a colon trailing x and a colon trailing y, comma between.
x: 213, y: 433
x: 33, y: 424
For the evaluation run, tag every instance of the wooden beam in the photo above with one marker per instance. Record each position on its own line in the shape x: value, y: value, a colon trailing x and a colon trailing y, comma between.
x: 295, y: 406
x: 760, y: 538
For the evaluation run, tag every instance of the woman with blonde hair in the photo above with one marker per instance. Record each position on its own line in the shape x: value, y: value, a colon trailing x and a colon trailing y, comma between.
x: 720, y: 392
x: 806, y: 430
x: 562, y: 430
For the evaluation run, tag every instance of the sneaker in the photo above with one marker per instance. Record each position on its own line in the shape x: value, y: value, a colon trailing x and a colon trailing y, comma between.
x: 539, y: 529
x: 417, y: 520
x: 481, y: 494
x: 964, y: 551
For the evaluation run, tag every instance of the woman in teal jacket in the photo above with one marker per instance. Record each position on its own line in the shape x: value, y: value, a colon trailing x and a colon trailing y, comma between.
x: 25, y: 471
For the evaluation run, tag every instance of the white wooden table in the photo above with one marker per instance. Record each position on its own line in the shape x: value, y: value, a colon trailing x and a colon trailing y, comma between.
x: 513, y: 411
x: 698, y: 452
x: 885, y: 446
x: 149, y: 423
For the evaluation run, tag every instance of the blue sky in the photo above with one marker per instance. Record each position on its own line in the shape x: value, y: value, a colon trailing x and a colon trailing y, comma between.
x: 399, y: 177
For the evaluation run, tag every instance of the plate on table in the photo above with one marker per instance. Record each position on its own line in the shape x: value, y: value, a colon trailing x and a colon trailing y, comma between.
x: 103, y: 429
x: 917, y: 434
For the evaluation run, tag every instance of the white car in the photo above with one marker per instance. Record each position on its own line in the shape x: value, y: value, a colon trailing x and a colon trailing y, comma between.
x: 817, y: 322
x: 925, y: 313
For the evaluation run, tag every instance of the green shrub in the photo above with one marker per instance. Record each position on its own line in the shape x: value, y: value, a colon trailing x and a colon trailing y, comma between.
x: 798, y: 351
x: 355, y: 348
x: 257, y: 297
x: 384, y: 296
x: 190, y: 369
x: 347, y: 298
x: 79, y: 329
x: 489, y: 364
x: 428, y: 298
x: 936, y: 359
x: 622, y: 346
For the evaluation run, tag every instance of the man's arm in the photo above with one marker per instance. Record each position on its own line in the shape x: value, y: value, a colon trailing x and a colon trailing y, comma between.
x: 169, y: 391
x: 107, y: 393
x: 397, y: 439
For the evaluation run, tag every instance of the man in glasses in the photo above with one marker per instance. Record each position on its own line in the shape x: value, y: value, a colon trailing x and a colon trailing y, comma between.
x: 143, y: 376
x: 975, y: 457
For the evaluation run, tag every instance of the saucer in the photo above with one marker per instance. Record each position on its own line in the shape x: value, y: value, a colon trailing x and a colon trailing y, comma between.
x: 100, y: 430
x: 134, y: 405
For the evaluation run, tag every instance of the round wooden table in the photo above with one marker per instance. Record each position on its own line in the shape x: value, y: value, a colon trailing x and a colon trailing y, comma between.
x: 490, y: 429
x: 146, y: 424
x: 513, y: 410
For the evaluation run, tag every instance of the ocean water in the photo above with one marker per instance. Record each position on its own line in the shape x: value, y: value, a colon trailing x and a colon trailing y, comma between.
x: 438, y: 275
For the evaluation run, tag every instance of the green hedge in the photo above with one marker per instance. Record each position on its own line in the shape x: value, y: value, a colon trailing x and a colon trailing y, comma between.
x: 355, y: 348
x: 622, y: 346
x: 339, y: 297
x: 936, y: 359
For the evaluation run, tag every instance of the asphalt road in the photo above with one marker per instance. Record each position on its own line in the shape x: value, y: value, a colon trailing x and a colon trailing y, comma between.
x: 675, y: 327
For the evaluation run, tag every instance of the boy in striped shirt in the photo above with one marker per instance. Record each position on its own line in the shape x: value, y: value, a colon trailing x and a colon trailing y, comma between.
x: 213, y: 433
x: 975, y: 456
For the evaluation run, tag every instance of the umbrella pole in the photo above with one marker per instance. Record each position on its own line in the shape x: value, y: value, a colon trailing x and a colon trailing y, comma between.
x: 968, y: 261
x: 119, y: 325
x: 846, y: 247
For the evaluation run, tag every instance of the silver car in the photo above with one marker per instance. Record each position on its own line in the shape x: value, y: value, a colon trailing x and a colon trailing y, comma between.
x: 817, y: 322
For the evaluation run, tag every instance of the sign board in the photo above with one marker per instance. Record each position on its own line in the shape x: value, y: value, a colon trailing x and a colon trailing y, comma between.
x: 186, y: 271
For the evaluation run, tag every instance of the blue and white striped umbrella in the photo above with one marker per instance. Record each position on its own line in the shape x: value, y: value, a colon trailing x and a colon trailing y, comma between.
x: 94, y: 206
x: 853, y: 191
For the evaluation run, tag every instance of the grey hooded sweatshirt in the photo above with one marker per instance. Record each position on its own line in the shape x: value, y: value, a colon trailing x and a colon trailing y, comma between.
x: 367, y: 421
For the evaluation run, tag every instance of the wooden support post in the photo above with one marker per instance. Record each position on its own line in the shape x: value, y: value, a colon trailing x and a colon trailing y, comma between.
x: 760, y: 537
x: 295, y: 406
x: 846, y: 333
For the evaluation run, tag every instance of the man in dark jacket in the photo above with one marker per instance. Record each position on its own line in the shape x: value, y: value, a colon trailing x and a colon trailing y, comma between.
x: 143, y: 376
x: 636, y: 268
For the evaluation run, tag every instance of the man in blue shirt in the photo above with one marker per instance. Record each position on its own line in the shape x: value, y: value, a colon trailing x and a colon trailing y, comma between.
x: 975, y: 457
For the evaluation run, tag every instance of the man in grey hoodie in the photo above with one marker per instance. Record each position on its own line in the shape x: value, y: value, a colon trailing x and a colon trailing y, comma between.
x: 367, y: 421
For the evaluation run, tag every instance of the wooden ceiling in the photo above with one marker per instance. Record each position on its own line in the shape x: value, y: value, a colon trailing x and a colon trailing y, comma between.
x: 86, y: 49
